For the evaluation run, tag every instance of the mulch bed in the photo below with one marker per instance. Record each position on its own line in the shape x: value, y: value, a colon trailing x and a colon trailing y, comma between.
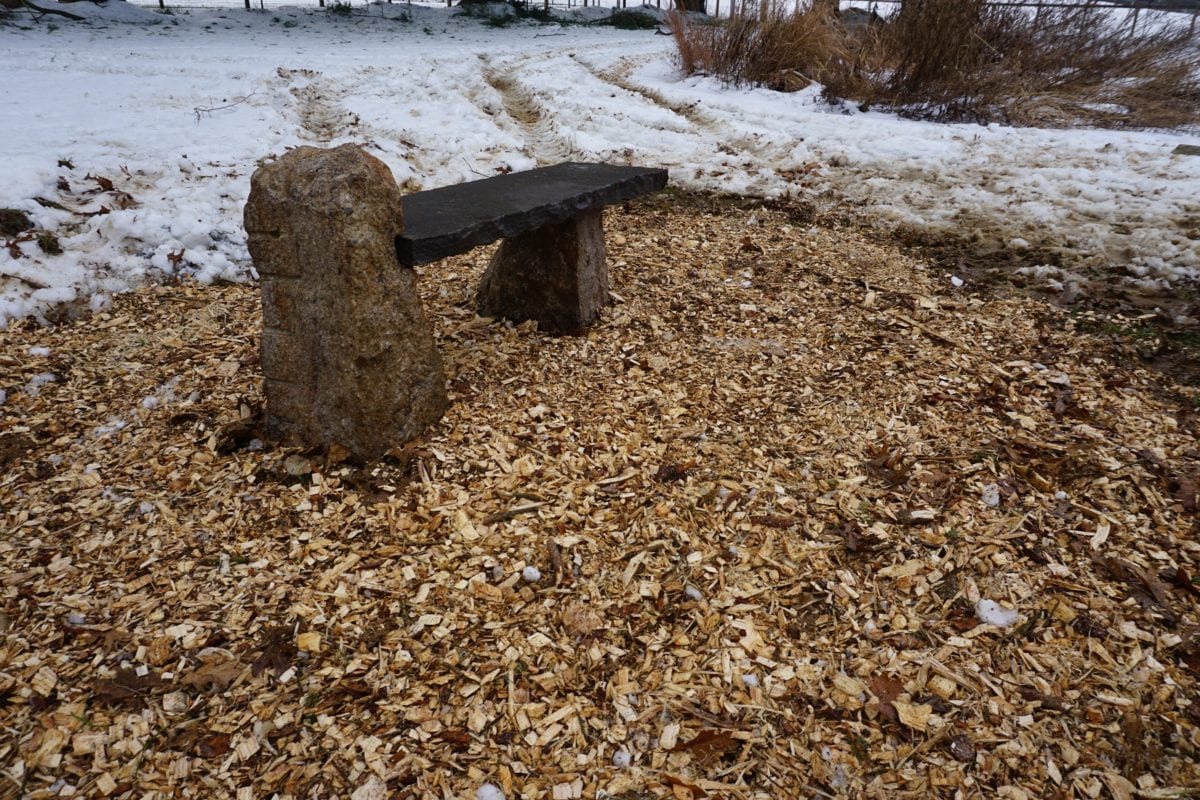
x: 734, y: 542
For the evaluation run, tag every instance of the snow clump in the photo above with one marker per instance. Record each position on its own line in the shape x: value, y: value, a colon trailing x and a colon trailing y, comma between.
x: 990, y: 612
x: 489, y: 791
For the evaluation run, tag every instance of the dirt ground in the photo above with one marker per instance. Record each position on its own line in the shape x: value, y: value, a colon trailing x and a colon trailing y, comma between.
x: 798, y: 518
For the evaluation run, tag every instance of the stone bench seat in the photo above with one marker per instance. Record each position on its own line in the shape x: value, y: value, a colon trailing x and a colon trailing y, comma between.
x: 455, y: 219
x: 348, y: 354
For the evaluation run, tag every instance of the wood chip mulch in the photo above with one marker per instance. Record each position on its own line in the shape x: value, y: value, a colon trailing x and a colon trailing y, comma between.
x: 797, y: 519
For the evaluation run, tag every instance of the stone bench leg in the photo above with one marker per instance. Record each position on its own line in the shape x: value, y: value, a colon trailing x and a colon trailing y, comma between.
x: 347, y: 352
x: 556, y: 275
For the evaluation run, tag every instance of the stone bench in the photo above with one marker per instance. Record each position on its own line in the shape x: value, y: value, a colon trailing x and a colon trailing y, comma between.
x: 348, y: 355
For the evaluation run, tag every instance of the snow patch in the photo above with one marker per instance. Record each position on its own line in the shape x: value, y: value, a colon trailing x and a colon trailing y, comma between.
x: 989, y: 612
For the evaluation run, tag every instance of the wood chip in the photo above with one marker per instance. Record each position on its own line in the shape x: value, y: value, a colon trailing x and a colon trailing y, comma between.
x: 754, y: 493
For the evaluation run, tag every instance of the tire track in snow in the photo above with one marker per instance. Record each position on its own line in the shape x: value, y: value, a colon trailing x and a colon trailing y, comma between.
x: 543, y: 139
x: 750, y: 145
x: 318, y: 106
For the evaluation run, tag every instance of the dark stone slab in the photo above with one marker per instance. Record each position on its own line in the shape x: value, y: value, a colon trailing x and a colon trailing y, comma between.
x: 1187, y: 150
x: 444, y: 222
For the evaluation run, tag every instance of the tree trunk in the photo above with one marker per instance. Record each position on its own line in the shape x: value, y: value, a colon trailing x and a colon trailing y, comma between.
x: 700, y: 6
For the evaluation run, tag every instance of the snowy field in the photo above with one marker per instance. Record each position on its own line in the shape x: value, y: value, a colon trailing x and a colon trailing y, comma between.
x: 139, y: 132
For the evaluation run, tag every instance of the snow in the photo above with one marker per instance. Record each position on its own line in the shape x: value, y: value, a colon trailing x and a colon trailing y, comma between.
x: 489, y: 791
x: 177, y: 110
x: 989, y: 612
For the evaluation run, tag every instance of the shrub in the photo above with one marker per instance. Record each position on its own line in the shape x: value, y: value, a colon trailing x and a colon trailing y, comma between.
x: 342, y: 9
x: 966, y: 60
x: 779, y: 49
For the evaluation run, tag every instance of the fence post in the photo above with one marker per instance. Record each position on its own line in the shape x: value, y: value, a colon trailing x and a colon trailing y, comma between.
x: 247, y: 5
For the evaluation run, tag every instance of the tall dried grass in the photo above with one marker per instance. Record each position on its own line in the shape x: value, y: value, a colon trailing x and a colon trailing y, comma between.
x: 967, y: 60
x: 776, y: 48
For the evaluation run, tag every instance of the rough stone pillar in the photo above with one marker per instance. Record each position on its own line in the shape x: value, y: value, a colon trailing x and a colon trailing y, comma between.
x: 347, y: 352
x: 557, y: 275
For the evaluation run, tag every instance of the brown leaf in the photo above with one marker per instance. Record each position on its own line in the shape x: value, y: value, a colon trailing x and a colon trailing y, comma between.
x: 124, y: 200
x: 175, y: 258
x: 104, y: 183
x: 962, y: 618
x: 214, y: 745
x: 1063, y: 402
x: 455, y: 737
x: 669, y: 473
x: 277, y: 651
x: 1189, y: 494
x: 1185, y: 581
x: 858, y: 541
x: 336, y: 453
x: 215, y: 675
x: 887, y: 465
x: 126, y: 687
x: 886, y: 688
x: 1187, y: 652
x: 710, y: 744
x: 887, y: 711
x: 748, y: 246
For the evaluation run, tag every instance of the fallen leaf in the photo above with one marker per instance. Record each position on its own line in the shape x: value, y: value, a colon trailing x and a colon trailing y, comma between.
x: 748, y: 246
x: 276, y: 651
x: 669, y: 473
x: 885, y: 688
x: 125, y: 687
x: 104, y: 183
x: 214, y: 675
x: 124, y: 200
x: 214, y: 745
x: 710, y: 744
x: 1189, y: 494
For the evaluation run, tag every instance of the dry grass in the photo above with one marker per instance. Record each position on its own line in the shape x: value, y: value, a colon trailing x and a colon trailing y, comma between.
x: 780, y: 49
x: 966, y: 60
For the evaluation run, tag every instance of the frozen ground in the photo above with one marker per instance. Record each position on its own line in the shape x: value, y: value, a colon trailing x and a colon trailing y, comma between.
x: 138, y: 132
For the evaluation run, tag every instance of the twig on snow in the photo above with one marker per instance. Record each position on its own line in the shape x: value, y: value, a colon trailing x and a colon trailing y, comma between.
x: 201, y: 110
